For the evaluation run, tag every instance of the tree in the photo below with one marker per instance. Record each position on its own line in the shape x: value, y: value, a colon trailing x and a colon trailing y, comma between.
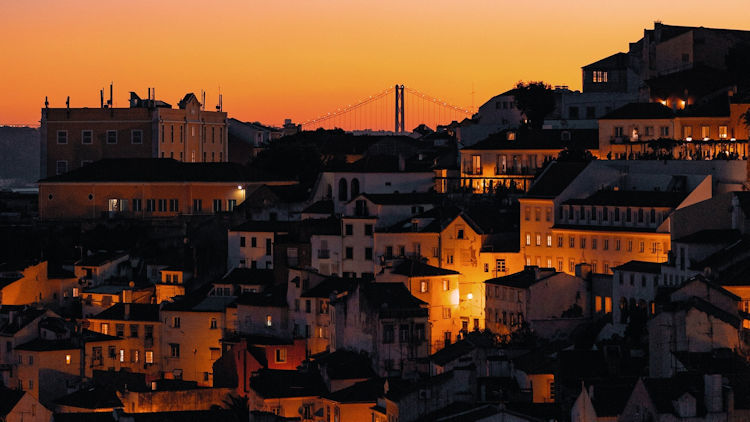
x: 239, y: 406
x: 535, y: 100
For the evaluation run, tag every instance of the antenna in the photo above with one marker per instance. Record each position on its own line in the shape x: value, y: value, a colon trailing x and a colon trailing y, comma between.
x: 46, y: 102
x: 203, y: 100
x: 67, y: 103
x: 110, y: 93
x: 101, y: 98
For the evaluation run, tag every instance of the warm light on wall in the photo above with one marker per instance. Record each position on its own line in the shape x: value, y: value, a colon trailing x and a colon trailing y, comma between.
x: 470, y: 296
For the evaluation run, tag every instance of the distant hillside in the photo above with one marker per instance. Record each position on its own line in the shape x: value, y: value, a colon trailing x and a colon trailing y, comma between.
x: 19, y: 156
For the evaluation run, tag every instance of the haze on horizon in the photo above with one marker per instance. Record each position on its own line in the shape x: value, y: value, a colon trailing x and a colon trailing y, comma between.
x: 298, y: 59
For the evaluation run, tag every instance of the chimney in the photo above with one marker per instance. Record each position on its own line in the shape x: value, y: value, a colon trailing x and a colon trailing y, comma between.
x: 583, y: 270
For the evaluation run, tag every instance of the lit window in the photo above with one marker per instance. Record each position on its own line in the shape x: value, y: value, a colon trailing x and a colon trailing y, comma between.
x: 269, y: 321
x: 149, y: 356
x: 67, y: 359
x: 600, y: 76
x: 122, y: 355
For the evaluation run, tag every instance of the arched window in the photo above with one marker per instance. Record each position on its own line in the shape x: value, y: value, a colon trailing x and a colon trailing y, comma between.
x: 342, y: 190
x: 355, y: 187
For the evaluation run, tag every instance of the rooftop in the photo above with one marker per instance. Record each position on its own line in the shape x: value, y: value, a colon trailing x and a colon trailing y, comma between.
x: 249, y: 276
x: 538, y: 139
x: 632, y: 198
x: 640, y: 267
x: 130, y: 312
x: 155, y: 170
x: 640, y: 111
x: 414, y: 268
x: 555, y: 178
x: 270, y: 383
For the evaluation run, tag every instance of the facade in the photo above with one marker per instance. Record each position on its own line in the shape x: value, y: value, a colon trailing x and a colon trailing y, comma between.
x: 511, y: 159
x: 144, y: 188
x: 32, y: 284
x: 72, y: 138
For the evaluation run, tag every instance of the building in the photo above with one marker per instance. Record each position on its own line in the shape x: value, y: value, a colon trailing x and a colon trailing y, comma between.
x: 394, y: 333
x: 510, y: 159
x: 612, y: 212
x: 74, y: 137
x: 144, y: 188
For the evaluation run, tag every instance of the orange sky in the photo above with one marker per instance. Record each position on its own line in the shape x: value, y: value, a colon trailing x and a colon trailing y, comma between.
x: 298, y: 59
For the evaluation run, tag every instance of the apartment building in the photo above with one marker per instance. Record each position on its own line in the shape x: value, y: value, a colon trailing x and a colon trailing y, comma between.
x: 74, y: 137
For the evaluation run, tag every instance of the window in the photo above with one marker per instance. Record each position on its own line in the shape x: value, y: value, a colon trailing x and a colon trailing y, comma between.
x: 105, y: 328
x: 664, y: 131
x: 368, y: 254
x: 136, y: 137
x: 174, y: 350
x: 133, y: 330
x: 446, y: 312
x: 654, y: 247
x: 705, y: 132
x: 476, y: 164
x: 559, y: 241
x: 583, y: 243
x: 213, y: 324
x: 460, y: 234
x: 641, y: 247
x: 162, y: 205
x: 571, y: 265
x: 174, y: 205
x: 111, y: 136
x: 280, y: 355
x: 67, y: 359
x: 687, y: 132
x: 231, y: 203
x: 388, y: 333
x: 571, y: 241
x: 242, y: 241
x: 599, y: 76
x: 151, y: 205
x: 527, y: 213
x: 722, y: 132
x: 349, y: 229
x: 122, y: 355
x: 62, y: 137
x: 368, y: 229
x: 424, y: 286
x: 630, y: 245
x: 176, y: 322
x: 87, y: 137
x: 594, y: 242
x: 548, y: 214
x: 269, y: 321
x: 549, y: 240
x: 349, y: 252
x: 61, y: 166
x: 135, y: 356
x: 217, y: 205
x: 619, y: 131
x: 500, y: 265
x: 528, y: 239
x: 538, y: 238
x: 446, y: 285
x: 137, y: 204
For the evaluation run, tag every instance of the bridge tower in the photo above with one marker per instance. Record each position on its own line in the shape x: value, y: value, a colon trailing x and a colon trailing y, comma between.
x: 399, y: 108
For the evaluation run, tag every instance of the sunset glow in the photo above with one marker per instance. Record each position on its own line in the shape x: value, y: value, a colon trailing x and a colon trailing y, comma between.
x: 300, y: 59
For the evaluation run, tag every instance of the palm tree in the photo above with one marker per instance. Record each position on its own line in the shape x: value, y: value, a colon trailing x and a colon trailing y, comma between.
x: 239, y: 406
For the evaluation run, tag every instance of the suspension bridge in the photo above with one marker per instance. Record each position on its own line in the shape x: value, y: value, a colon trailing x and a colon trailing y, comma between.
x: 398, y: 108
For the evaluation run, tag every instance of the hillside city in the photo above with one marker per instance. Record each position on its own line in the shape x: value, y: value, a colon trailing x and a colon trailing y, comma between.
x: 559, y: 255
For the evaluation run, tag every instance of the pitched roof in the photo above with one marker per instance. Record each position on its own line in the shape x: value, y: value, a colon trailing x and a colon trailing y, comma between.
x: 392, y: 297
x: 324, y: 206
x: 136, y: 312
x: 400, y: 198
x: 414, y: 268
x: 640, y: 267
x: 555, y: 178
x: 271, y: 383
x: 523, y: 279
x: 91, y: 398
x: 538, y: 139
x: 615, y: 61
x: 100, y: 258
x: 440, y: 218
x: 705, y: 307
x: 24, y: 317
x: 274, y: 296
x: 471, y: 341
x: 8, y: 400
x: 249, y: 276
x: 362, y: 392
x: 155, y: 170
x: 328, y: 286
x: 632, y: 198
x: 640, y: 111
x: 345, y: 364
x: 711, y: 236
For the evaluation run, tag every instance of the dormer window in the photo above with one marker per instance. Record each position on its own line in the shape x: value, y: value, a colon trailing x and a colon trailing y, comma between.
x: 510, y: 136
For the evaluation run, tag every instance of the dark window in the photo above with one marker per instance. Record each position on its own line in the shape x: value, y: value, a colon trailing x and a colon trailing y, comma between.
x: 348, y: 229
x: 342, y: 190
x: 368, y: 229
x: 388, y: 333
x: 368, y: 254
x: 349, y: 252
x: 573, y: 113
x: 242, y: 241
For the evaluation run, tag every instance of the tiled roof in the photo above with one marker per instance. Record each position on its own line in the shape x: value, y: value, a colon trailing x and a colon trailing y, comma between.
x: 8, y: 400
x: 346, y: 364
x: 556, y: 177
x: 269, y: 383
x: 400, y: 198
x: 414, y: 268
x: 640, y: 111
x: 538, y: 139
x: 523, y: 279
x: 137, y: 312
x: 249, y: 276
x: 640, y: 267
x: 632, y: 198
x: 362, y: 392
x: 328, y: 286
x: 155, y: 170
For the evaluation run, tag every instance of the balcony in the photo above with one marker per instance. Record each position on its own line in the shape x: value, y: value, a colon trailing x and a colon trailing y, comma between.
x: 324, y: 254
x: 516, y: 171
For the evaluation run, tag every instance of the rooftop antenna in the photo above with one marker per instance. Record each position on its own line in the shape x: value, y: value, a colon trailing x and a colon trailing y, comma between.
x: 203, y: 100
x: 46, y: 102
x: 101, y: 98
x: 218, y: 107
x: 67, y: 103
x: 110, y: 94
